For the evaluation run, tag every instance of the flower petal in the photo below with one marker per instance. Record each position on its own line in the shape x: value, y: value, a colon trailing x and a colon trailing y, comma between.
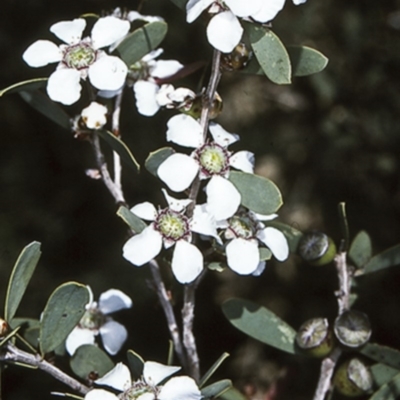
x: 114, y: 300
x: 244, y: 8
x: 69, y: 31
x: 262, y: 217
x: 118, y: 378
x: 154, y: 372
x: 145, y: 211
x: 108, y: 30
x: 224, y: 31
x: 95, y: 115
x: 165, y: 68
x: 146, y: 97
x: 242, y: 256
x: 63, y: 86
x: 113, y: 335
x: 187, y: 262
x: 180, y: 388
x: 185, y: 131
x: 134, y: 15
x: 142, y: 248
x: 260, y: 268
x: 221, y: 136
x: 269, y: 10
x: 195, y: 7
x: 41, y: 53
x: 108, y: 73
x: 178, y: 171
x: 100, y: 394
x: 204, y: 223
x: 243, y: 160
x: 176, y: 204
x: 223, y: 199
x: 276, y: 241
x: 298, y: 2
x: 78, y: 337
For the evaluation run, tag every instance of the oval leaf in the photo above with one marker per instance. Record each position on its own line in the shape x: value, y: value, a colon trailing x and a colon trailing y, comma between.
x: 62, y: 313
x: 42, y: 103
x: 386, y: 259
x: 31, y: 84
x: 361, y: 249
x: 260, y: 323
x: 216, y: 389
x: 155, y: 158
x: 141, y: 41
x: 134, y: 222
x: 270, y: 52
x: 136, y: 364
x: 388, y: 391
x: 89, y: 358
x: 383, y: 374
x: 305, y: 60
x: 233, y: 394
x: 20, y: 277
x: 382, y: 354
x: 258, y: 194
x: 121, y: 148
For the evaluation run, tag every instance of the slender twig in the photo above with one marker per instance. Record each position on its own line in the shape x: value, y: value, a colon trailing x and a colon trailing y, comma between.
x: 116, y: 131
x: 189, y: 340
x: 166, y: 305
x: 15, y: 355
x: 105, y: 175
x: 343, y: 298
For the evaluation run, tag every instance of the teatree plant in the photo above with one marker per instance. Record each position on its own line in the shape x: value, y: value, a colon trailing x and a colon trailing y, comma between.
x: 216, y: 214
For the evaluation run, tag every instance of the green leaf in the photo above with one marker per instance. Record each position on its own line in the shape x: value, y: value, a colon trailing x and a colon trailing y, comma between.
x: 141, y: 41
x: 265, y: 254
x: 155, y: 158
x: 258, y: 194
x: 233, y: 394
x: 382, y: 373
x: 20, y: 277
x: 31, y: 84
x: 62, y: 313
x: 216, y: 389
x: 270, y: 52
x: 180, y: 3
x: 382, y: 354
x: 89, y: 358
x: 136, y: 364
x: 121, y: 148
x: 386, y: 259
x: 42, y: 103
x: 292, y: 234
x: 388, y: 391
x: 134, y: 222
x: 260, y: 323
x: 213, y: 368
x: 170, y: 357
x: 9, y: 335
x: 305, y: 60
x: 361, y: 249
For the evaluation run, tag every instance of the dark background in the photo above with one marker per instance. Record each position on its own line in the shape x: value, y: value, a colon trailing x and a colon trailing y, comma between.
x: 325, y: 139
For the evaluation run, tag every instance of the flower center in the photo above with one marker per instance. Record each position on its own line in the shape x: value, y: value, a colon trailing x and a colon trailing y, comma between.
x: 79, y: 56
x: 172, y: 225
x: 213, y: 159
x: 139, y: 71
x: 241, y: 226
x: 137, y: 389
x: 92, y: 319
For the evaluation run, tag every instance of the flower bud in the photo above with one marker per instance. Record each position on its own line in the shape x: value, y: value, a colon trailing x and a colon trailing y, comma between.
x: 315, y: 338
x: 353, y: 378
x: 237, y: 59
x: 317, y: 248
x: 4, y: 327
x: 352, y: 328
x: 195, y: 107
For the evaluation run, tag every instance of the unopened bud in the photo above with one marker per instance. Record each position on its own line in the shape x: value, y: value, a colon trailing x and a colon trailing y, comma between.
x: 352, y: 328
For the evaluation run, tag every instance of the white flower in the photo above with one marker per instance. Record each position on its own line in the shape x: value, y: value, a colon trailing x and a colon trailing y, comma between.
x: 96, y: 320
x: 95, y: 115
x: 80, y: 58
x: 224, y: 30
x: 247, y: 233
x: 147, y: 388
x: 149, y: 73
x: 171, y: 227
x: 209, y: 160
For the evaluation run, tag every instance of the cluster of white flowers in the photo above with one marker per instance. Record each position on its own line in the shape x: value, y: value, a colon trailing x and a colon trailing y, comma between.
x: 148, y: 387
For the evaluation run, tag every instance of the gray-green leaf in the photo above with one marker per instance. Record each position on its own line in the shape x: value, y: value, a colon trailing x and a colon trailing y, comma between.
x: 361, y: 249
x: 136, y: 364
x: 62, y: 313
x: 388, y: 391
x: 383, y: 373
x: 212, y: 369
x: 386, y: 259
x: 141, y: 41
x: 260, y: 323
x: 20, y: 277
x: 270, y: 52
x: 258, y: 194
x: 216, y: 389
x: 31, y: 84
x: 134, y: 222
x: 382, y: 354
x: 305, y: 60
x: 155, y: 158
